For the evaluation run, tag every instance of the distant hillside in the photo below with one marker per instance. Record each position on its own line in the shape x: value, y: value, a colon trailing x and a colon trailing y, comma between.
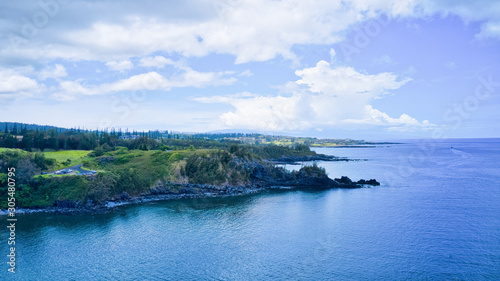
x: 19, y: 126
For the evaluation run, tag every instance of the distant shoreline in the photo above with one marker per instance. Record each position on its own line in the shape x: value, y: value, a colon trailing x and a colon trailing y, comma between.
x: 368, y: 144
x: 347, y: 146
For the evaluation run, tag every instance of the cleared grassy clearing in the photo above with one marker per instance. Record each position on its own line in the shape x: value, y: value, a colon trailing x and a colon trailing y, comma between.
x: 63, y: 155
x: 75, y: 157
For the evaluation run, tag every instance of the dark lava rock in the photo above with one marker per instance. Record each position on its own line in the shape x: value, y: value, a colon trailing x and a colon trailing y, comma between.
x: 308, y: 158
x: 124, y: 196
x: 66, y: 204
x: 368, y: 182
x: 344, y: 180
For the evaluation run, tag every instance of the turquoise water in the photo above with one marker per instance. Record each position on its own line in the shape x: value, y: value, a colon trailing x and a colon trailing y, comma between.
x: 436, y: 216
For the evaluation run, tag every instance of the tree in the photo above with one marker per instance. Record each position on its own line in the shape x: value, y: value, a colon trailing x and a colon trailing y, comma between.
x: 38, y: 140
x: 100, y: 187
x: 10, y: 141
x: 41, y: 161
x: 28, y: 142
x: 14, y: 130
x: 24, y: 130
x: 26, y: 170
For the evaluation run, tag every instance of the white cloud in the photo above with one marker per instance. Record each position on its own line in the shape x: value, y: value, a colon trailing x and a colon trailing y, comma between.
x: 56, y: 72
x: 344, y: 80
x: 226, y: 98
x: 485, y: 11
x: 150, y: 81
x: 193, y: 78
x: 251, y: 30
x: 15, y: 85
x: 156, y: 61
x: 147, y: 81
x: 332, y: 55
x: 69, y: 90
x: 274, y: 113
x: 490, y: 29
x: 246, y: 73
x: 324, y: 96
x: 403, y: 123
x: 120, y: 66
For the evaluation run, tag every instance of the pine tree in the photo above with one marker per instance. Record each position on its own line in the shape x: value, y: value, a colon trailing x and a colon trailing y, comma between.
x: 14, y: 130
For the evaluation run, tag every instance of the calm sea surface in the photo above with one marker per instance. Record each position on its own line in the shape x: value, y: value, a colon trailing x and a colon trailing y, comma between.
x: 436, y: 216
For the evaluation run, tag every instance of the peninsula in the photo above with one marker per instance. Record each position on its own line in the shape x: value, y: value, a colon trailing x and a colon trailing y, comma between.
x: 133, y: 168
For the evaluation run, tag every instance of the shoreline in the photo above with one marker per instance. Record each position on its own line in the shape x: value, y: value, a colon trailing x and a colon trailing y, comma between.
x: 309, y: 158
x: 73, y: 208
x: 264, y: 176
x: 110, y: 206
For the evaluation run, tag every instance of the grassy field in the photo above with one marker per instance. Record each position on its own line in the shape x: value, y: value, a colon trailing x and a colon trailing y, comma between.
x: 327, y: 144
x: 59, y: 156
x: 64, y: 155
x: 75, y: 157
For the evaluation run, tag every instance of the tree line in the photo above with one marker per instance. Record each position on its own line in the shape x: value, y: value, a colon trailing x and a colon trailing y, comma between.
x: 31, y: 137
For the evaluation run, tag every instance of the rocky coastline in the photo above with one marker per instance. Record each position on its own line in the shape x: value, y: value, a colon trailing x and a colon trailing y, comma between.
x: 307, y: 158
x: 161, y: 192
x: 263, y: 176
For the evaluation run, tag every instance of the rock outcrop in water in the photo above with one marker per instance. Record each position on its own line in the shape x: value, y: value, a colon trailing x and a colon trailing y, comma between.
x: 306, y: 177
x: 307, y: 158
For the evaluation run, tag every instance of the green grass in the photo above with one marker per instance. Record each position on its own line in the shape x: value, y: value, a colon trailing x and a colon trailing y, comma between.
x: 63, y: 155
x: 86, y: 169
x: 75, y: 156
x: 327, y: 144
x: 2, y: 149
x: 282, y: 142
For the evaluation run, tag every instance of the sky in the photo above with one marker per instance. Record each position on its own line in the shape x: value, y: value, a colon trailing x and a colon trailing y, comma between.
x: 369, y: 69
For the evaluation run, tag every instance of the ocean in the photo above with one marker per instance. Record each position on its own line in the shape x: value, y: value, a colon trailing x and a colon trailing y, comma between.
x: 436, y: 216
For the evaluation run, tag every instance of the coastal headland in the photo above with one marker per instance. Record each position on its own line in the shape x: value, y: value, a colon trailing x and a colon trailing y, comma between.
x: 126, y: 169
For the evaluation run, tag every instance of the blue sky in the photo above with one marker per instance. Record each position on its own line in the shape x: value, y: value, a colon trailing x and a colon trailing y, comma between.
x: 371, y: 69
